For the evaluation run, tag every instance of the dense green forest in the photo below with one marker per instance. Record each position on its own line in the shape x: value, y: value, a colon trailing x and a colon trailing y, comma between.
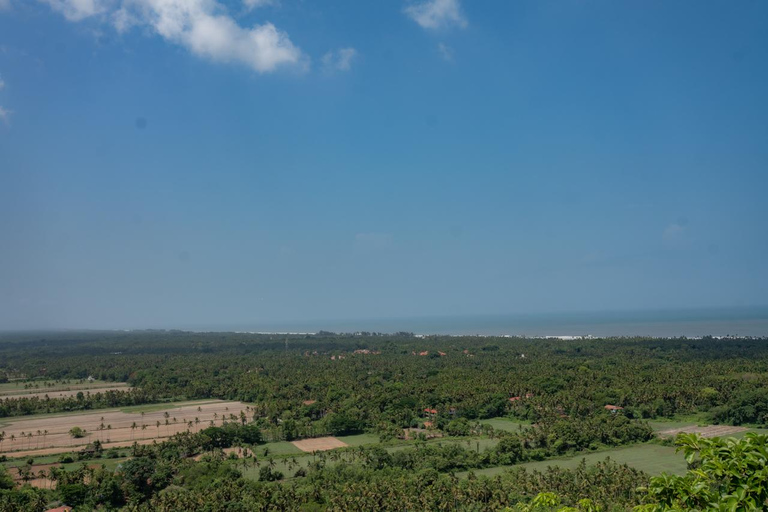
x: 312, y: 385
x: 392, y: 384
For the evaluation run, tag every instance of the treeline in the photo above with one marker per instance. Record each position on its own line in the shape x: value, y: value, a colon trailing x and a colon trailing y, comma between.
x: 82, y: 401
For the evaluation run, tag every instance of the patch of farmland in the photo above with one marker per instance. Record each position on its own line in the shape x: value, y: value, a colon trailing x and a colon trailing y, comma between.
x: 359, y: 439
x: 505, y: 424
x: 278, y: 448
x: 47, y: 434
x: 652, y: 458
x: 319, y: 444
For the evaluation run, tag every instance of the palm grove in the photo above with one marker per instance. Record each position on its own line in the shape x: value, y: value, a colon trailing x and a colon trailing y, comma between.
x: 308, y: 386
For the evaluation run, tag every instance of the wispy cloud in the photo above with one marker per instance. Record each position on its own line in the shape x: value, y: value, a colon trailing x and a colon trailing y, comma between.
x: 339, y: 60
x: 255, y: 4
x: 5, y: 5
x: 5, y: 115
x: 76, y: 10
x: 445, y: 52
x: 201, y: 26
x: 437, y: 14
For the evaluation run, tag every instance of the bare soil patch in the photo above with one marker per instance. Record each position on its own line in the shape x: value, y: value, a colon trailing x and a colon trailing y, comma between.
x: 708, y: 431
x: 319, y: 444
x: 114, y: 428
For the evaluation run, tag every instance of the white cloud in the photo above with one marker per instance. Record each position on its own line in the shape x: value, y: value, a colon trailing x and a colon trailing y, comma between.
x: 339, y: 60
x: 76, y: 10
x: 445, y: 52
x: 5, y: 115
x: 436, y: 14
x: 201, y: 26
x: 124, y: 20
x: 5, y: 5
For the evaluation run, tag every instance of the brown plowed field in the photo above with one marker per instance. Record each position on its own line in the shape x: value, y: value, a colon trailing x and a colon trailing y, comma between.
x: 319, y: 444
x: 117, y: 428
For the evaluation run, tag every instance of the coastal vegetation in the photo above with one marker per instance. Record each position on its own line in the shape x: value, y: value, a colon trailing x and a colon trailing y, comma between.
x: 421, y: 423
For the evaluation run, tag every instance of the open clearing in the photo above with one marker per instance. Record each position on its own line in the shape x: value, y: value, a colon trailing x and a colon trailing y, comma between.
x: 48, y: 434
x: 652, y: 458
x: 505, y: 424
x: 319, y: 444
x: 359, y: 439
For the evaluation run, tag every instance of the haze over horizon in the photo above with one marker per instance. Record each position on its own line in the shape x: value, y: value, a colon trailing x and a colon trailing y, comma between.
x: 170, y: 163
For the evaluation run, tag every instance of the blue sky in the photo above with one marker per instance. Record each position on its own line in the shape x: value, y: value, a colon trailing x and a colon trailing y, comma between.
x: 172, y: 163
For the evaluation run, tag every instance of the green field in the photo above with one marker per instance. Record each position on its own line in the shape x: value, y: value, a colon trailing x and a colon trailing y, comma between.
x: 652, y: 458
x: 359, y: 439
x: 680, y: 421
x: 505, y: 424
x: 138, y: 409
x: 278, y: 448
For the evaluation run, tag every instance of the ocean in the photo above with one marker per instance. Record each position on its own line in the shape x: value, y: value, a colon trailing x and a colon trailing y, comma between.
x: 667, y: 323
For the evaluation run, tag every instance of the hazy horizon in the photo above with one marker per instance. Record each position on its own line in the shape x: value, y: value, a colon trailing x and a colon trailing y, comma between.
x: 745, y: 321
x: 167, y: 163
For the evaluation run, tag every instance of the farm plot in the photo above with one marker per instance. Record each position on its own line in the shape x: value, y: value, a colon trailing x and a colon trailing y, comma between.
x: 47, y: 434
x: 651, y: 458
x: 505, y: 424
x: 708, y: 431
x: 319, y: 444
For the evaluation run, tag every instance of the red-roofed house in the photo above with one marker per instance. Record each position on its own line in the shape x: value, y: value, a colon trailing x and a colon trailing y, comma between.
x: 613, y: 408
x: 60, y: 509
x: 515, y: 398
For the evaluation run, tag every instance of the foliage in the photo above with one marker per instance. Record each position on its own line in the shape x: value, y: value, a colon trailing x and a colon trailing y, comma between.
x: 730, y: 474
x: 76, y: 432
x: 312, y: 385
